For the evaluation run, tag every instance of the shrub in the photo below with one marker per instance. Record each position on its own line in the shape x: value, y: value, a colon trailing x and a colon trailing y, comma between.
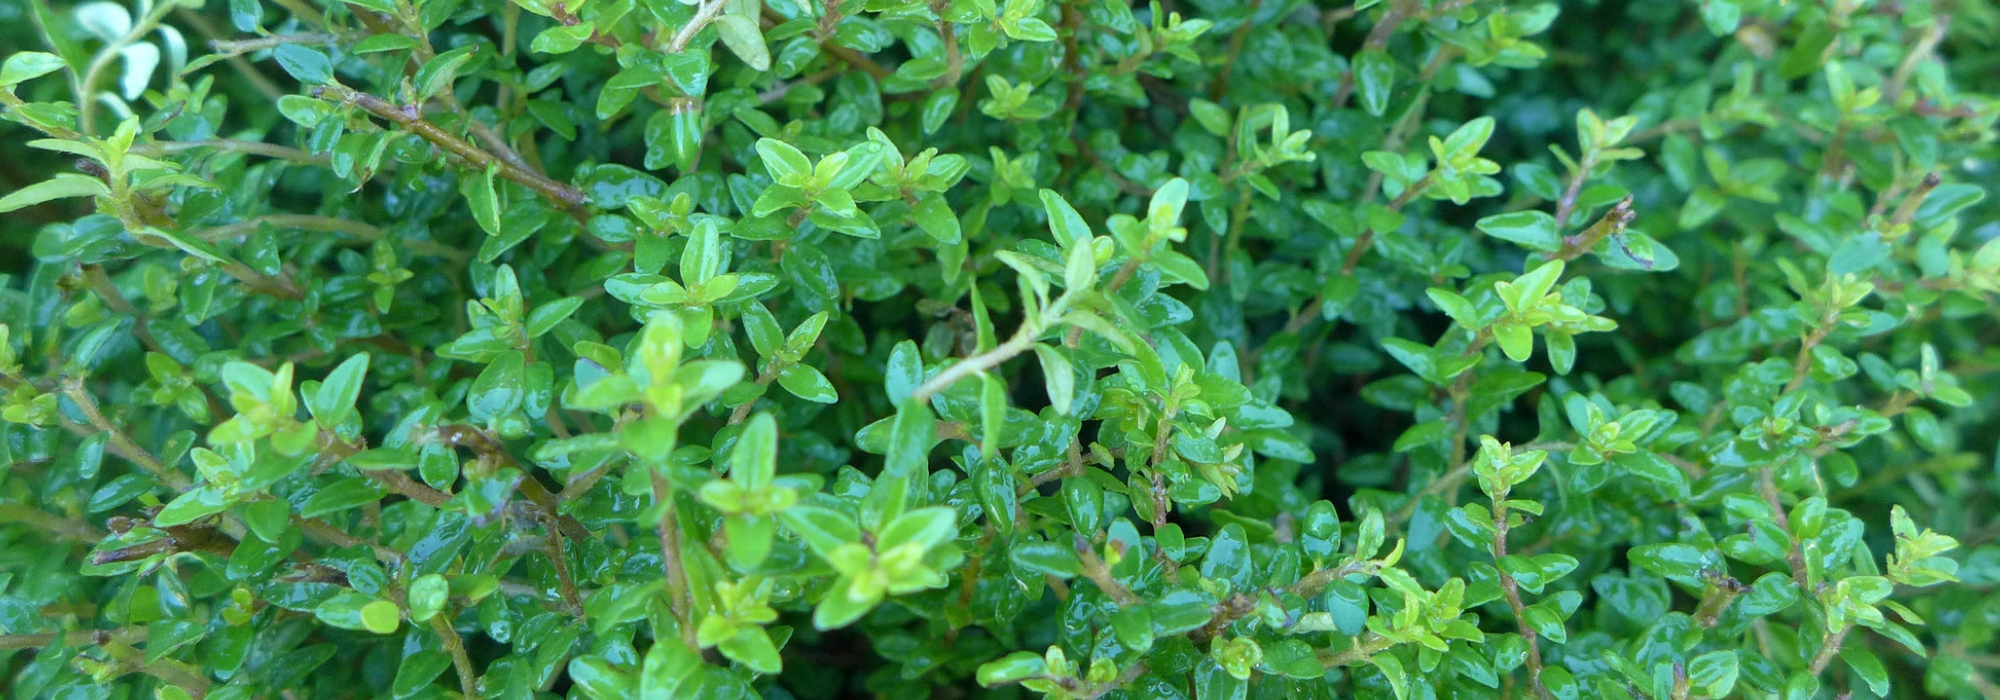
x: 1199, y: 349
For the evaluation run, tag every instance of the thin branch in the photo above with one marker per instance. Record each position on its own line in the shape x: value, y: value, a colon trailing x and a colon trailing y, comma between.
x: 242, y: 46
x: 1915, y: 199
x: 1367, y: 238
x: 257, y: 148
x: 1828, y: 649
x: 668, y: 530
x: 1095, y: 570
x: 1220, y: 87
x: 60, y: 527
x: 1767, y: 485
x: 1613, y: 224
x: 1310, y: 585
x: 333, y: 449
x: 1566, y: 205
x: 1369, y: 644
x: 1131, y: 673
x: 1022, y: 340
x: 86, y: 87
x: 262, y: 83
x: 567, y: 197
x: 1512, y: 592
x: 702, y: 16
x: 121, y: 444
x: 71, y: 638
x: 1926, y: 46
x: 363, y: 231
x: 857, y: 59
x: 468, y: 680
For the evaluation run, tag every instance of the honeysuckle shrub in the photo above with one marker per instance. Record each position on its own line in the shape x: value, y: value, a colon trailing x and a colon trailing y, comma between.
x: 964, y: 348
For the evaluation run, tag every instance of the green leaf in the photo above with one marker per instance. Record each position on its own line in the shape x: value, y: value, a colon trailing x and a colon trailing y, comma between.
x: 910, y: 441
x: 1534, y: 230
x: 1673, y: 560
x: 561, y: 39
x: 1059, y: 376
x: 935, y: 217
x: 1946, y: 201
x: 436, y: 75
x: 666, y: 668
x: 785, y: 163
x: 427, y: 596
x: 754, y: 462
x: 925, y: 528
x: 1180, y: 268
x: 1721, y: 16
x: 23, y: 66
x: 484, y: 200
x: 1045, y: 558
x: 1392, y: 670
x: 823, y: 529
x: 383, y: 458
x: 1211, y: 116
x: 545, y: 316
x: 1180, y: 611
x: 307, y: 65
x: 1013, y: 668
x: 418, y: 670
x: 1374, y: 80
x: 245, y: 15
x: 1714, y: 672
x: 499, y: 389
x: 807, y: 383
x: 840, y: 609
x: 753, y: 649
x: 196, y: 503
x: 742, y: 36
x: 380, y: 617
x: 62, y: 186
x: 1924, y: 429
x: 1469, y: 138
x: 1516, y: 340
x: 1068, y: 225
x: 341, y: 495
x: 333, y: 404
x: 1868, y: 667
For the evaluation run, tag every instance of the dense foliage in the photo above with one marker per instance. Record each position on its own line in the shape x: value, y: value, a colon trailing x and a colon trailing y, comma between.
x: 999, y: 348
